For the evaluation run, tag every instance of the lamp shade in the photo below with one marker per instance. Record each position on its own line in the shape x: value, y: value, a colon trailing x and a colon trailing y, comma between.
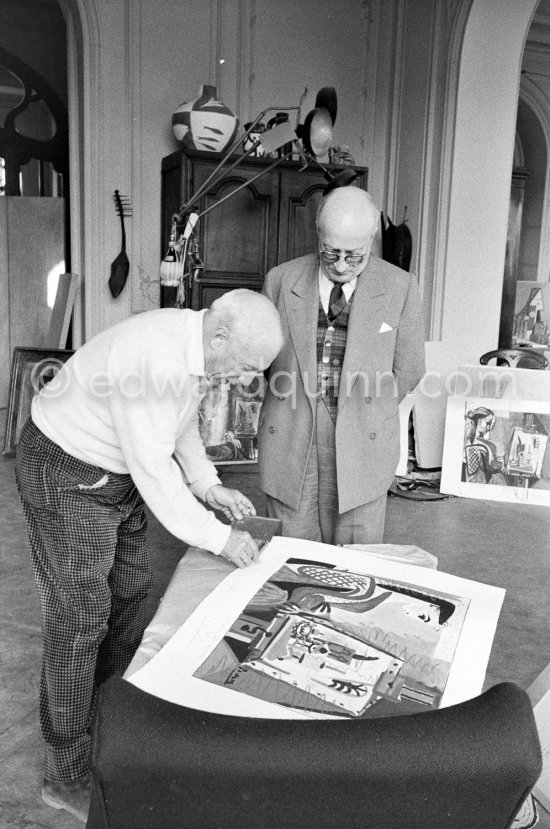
x: 327, y: 99
x: 316, y: 132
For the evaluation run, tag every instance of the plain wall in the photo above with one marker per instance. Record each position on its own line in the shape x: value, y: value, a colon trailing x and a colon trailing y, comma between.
x: 482, y: 169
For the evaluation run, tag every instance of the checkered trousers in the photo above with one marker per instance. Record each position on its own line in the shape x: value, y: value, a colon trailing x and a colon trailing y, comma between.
x: 331, y: 347
x: 92, y: 569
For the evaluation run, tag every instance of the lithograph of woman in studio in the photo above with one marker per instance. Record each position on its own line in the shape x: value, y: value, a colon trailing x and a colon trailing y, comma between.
x: 481, y: 464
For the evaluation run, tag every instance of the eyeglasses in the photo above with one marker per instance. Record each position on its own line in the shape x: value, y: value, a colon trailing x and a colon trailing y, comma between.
x: 332, y: 256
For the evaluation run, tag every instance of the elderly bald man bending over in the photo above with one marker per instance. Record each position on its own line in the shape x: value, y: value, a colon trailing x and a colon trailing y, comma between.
x: 354, y: 346
x: 118, y: 427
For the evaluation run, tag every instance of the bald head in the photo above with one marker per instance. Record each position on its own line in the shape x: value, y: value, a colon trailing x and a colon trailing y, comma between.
x: 347, y: 221
x: 242, y: 333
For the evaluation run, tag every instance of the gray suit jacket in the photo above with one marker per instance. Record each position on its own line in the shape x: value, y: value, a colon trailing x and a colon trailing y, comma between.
x: 384, y: 360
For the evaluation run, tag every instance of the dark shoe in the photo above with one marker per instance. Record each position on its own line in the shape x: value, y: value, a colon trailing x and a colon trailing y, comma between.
x: 72, y: 795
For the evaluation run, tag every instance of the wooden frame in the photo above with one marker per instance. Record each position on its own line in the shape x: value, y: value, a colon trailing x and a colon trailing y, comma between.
x: 532, y: 300
x: 31, y: 369
x: 62, y: 311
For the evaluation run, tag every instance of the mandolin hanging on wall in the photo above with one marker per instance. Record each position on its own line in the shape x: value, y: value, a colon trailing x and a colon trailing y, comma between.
x: 121, y: 265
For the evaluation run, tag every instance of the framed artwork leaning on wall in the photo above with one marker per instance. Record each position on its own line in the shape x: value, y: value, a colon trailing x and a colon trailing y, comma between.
x: 531, y: 314
x: 31, y: 370
x: 228, y: 421
x: 497, y: 449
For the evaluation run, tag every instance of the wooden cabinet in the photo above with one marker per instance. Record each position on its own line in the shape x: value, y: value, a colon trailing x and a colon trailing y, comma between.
x: 270, y: 221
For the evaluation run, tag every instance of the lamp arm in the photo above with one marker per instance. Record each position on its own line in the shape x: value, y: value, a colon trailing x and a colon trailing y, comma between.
x: 245, y: 184
x: 207, y: 181
x: 231, y: 150
x: 185, y: 208
x: 319, y: 164
x: 306, y: 159
x: 270, y: 109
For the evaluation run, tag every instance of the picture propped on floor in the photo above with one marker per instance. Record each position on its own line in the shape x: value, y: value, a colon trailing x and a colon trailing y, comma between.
x: 497, y: 449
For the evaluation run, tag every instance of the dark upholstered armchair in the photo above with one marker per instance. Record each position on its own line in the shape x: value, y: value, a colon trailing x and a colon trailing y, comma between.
x: 157, y: 765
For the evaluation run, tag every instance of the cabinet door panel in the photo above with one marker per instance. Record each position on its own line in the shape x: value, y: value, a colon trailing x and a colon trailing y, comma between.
x: 171, y: 195
x: 238, y: 238
x: 237, y: 235
x: 301, y: 192
x: 204, y: 291
x: 300, y: 197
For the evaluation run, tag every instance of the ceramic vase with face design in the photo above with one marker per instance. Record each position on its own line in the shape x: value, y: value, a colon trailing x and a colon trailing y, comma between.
x: 205, y: 123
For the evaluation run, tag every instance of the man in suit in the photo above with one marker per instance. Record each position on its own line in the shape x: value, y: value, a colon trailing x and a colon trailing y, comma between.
x: 354, y: 347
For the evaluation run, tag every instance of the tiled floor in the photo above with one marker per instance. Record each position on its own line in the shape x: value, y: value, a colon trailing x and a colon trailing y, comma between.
x: 507, y: 545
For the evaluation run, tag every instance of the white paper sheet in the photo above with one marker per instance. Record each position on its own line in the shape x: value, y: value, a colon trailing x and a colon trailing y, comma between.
x: 442, y: 360
x: 169, y: 674
x: 501, y: 382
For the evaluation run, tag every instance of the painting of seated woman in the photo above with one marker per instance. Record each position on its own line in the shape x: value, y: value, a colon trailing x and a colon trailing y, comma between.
x: 497, y: 449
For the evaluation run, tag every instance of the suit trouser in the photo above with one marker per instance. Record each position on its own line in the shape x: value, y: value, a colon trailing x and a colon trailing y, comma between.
x: 92, y: 569
x: 317, y: 517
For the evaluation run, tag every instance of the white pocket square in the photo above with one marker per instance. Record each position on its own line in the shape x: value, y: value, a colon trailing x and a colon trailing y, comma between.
x: 385, y: 327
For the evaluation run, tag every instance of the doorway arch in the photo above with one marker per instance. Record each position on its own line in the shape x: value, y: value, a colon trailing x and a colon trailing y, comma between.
x: 83, y: 45
x: 533, y: 104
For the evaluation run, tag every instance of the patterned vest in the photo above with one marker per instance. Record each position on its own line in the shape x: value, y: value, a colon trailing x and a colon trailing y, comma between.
x: 331, y: 347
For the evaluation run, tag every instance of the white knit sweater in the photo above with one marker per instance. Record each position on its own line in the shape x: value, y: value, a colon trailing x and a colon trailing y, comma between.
x: 127, y: 403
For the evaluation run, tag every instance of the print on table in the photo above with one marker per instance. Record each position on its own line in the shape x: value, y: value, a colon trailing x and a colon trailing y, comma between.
x: 323, y: 639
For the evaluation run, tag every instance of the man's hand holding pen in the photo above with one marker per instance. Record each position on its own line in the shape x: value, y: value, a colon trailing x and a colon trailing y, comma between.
x: 240, y: 549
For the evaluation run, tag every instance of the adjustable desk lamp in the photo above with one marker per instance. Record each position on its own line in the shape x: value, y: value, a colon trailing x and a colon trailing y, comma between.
x: 311, y: 139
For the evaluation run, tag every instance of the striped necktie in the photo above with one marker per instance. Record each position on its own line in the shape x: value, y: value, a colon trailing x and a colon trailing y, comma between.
x: 336, y: 303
